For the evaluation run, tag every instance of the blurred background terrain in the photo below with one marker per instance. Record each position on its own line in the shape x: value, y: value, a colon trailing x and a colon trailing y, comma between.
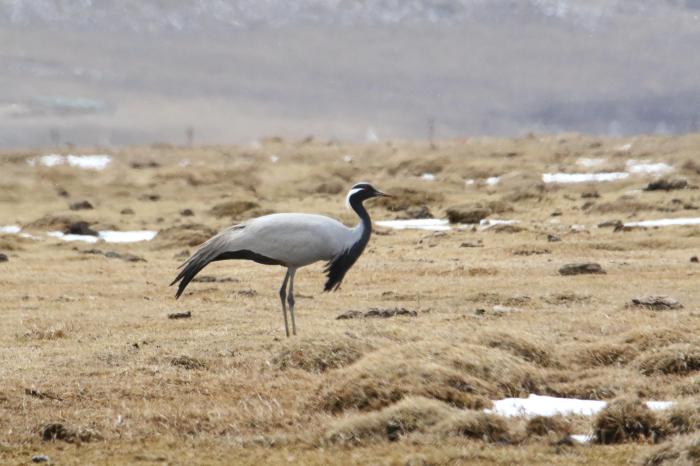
x: 126, y: 72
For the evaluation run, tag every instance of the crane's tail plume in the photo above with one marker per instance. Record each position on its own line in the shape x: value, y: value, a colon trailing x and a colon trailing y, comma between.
x: 214, y: 249
x: 190, y: 269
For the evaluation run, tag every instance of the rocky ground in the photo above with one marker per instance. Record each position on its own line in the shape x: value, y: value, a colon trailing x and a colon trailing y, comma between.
x: 572, y: 299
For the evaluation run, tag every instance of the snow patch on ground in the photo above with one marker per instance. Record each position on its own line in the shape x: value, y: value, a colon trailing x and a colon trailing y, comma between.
x: 665, y: 222
x: 647, y: 168
x: 108, y: 236
x: 583, y: 177
x: 536, y: 405
x: 427, y: 177
x: 87, y: 162
x: 10, y: 229
x: 434, y: 224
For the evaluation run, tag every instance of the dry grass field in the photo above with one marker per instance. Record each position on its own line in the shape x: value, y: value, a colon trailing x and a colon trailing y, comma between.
x: 92, y: 370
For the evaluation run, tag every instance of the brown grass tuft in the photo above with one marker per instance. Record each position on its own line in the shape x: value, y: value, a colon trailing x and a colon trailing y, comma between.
x: 318, y: 356
x: 681, y: 451
x: 375, y: 382
x: 626, y: 420
x: 408, y: 415
x: 681, y: 358
x: 519, y: 346
x: 232, y: 209
x: 191, y: 234
x: 604, y: 354
x: 476, y: 425
x: 683, y: 417
x: 540, y: 426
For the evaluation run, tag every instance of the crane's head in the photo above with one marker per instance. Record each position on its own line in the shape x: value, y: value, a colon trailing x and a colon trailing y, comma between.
x: 362, y: 191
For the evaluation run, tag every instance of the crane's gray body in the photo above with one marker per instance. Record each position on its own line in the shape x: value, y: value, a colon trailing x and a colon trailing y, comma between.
x: 294, y: 240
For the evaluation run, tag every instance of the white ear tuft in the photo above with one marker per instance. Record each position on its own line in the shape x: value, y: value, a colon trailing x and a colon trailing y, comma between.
x: 350, y: 194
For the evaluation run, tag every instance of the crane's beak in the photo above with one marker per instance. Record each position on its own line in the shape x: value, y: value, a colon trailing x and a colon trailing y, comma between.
x: 381, y: 194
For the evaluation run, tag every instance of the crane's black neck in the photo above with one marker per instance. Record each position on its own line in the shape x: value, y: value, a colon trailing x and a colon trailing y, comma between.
x: 365, y: 224
x: 339, y: 265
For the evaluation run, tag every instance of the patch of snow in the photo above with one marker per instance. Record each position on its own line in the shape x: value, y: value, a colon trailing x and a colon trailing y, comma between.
x: 347, y: 158
x: 589, y: 162
x: 494, y: 221
x: 62, y: 236
x: 647, y: 168
x: 107, y: 236
x: 536, y: 405
x: 665, y: 222
x: 469, y: 182
x: 659, y: 405
x: 88, y: 162
x: 274, y: 158
x: 625, y: 147
x: 433, y: 224
x: 427, y: 177
x: 583, y: 177
x: 127, y: 236
x: 11, y: 229
x: 493, y: 180
x: 582, y: 438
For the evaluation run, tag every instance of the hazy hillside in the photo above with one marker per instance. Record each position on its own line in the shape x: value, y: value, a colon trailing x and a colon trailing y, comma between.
x: 122, y: 71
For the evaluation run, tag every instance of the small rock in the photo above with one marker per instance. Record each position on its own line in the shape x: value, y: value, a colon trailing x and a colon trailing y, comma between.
x: 590, y: 195
x: 81, y: 205
x: 553, y: 238
x: 581, y: 268
x: 127, y: 211
x: 556, y: 213
x: 472, y: 244
x: 57, y: 431
x: 40, y: 459
x: 150, y: 197
x: 141, y: 164
x: 350, y: 315
x: 62, y: 192
x: 693, y: 259
x: 386, y: 313
x: 418, y: 212
x: 667, y: 184
x: 249, y: 293
x: 505, y: 228
x: 467, y: 213
x: 80, y: 228
x: 3, y: 257
x: 657, y: 303
x: 188, y: 363
x: 186, y: 212
x: 180, y: 315
x: 615, y: 224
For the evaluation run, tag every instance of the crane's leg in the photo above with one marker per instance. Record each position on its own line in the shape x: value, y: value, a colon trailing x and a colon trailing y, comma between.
x: 283, y: 296
x: 290, y: 299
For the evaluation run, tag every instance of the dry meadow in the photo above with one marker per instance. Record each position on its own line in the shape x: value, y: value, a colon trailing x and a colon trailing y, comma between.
x: 93, y: 371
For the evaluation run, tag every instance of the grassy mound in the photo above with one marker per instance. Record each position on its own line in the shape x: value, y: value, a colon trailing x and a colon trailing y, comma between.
x: 627, y: 420
x: 463, y: 375
x: 318, y: 356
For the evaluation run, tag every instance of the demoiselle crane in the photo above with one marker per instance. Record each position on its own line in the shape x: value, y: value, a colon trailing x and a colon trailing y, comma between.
x: 291, y: 240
